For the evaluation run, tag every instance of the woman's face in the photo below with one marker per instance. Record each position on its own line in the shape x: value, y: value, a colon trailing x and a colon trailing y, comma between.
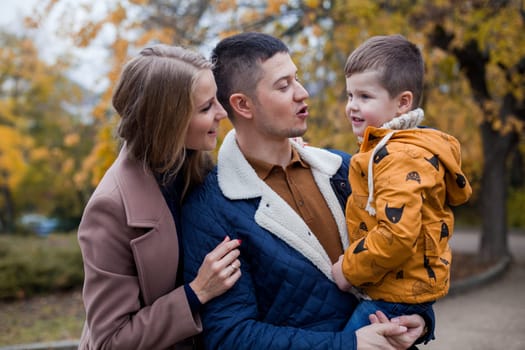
x: 202, y: 131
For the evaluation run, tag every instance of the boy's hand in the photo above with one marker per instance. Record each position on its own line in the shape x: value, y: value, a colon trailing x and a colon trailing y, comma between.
x: 339, y: 278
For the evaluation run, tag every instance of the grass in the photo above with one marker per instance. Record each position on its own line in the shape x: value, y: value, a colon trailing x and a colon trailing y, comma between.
x: 40, y: 280
x: 52, y: 317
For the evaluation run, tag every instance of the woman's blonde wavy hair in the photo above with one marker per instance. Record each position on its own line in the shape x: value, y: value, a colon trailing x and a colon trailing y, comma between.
x: 154, y: 100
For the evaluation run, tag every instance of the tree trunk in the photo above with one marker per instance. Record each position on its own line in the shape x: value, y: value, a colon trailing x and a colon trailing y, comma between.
x: 7, y: 223
x: 496, y: 148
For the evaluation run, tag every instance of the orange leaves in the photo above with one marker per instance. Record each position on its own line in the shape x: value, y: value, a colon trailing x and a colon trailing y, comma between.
x: 312, y: 3
x: 224, y: 5
x: 71, y: 139
x: 162, y: 35
x: 273, y: 7
x: 88, y: 33
x: 100, y: 158
x: 13, y: 147
x: 139, y: 2
x: 118, y: 15
x: 39, y: 135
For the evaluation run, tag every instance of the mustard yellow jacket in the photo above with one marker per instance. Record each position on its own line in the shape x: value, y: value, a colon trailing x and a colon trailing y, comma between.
x: 401, y: 254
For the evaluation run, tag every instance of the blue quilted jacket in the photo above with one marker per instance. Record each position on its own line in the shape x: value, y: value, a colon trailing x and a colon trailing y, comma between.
x: 286, y: 298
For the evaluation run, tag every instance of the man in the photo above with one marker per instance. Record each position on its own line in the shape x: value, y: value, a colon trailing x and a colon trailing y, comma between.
x: 285, y: 202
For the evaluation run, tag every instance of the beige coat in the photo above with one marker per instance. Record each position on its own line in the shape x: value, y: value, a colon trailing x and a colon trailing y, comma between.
x: 131, y: 255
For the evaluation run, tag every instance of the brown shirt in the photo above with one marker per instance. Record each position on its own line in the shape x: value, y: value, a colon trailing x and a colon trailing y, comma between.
x: 296, y: 185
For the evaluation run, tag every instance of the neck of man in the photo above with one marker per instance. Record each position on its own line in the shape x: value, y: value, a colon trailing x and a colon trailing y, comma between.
x: 276, y: 150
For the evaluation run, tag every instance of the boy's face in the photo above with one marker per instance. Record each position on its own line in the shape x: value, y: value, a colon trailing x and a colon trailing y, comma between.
x: 369, y: 103
x: 280, y: 107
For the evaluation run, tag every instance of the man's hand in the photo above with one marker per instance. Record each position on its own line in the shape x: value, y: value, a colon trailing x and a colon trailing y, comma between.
x: 377, y: 336
x: 414, y: 325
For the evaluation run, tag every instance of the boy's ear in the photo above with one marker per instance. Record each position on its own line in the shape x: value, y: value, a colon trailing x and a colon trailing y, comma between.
x: 242, y: 105
x: 405, y: 100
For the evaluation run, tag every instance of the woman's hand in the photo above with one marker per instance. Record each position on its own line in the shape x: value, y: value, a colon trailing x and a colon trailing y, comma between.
x: 218, y: 272
x: 377, y: 336
x: 414, y: 324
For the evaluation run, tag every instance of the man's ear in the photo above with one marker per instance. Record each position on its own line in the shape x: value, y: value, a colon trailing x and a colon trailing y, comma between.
x: 404, y: 104
x: 242, y: 105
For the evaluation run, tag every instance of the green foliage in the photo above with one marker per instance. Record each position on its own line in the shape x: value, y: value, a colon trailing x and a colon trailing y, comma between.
x: 516, y: 203
x: 33, y: 265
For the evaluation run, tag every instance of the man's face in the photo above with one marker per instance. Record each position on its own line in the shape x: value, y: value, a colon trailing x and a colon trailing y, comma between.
x: 280, y: 110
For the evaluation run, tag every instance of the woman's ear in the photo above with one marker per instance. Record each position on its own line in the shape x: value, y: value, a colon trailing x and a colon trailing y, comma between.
x: 405, y: 102
x: 242, y: 105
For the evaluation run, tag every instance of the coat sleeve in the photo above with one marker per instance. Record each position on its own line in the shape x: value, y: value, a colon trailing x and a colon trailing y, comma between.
x: 232, y: 320
x: 115, y: 316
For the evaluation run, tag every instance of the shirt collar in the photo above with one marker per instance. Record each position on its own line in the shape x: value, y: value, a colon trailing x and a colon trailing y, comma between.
x: 263, y: 169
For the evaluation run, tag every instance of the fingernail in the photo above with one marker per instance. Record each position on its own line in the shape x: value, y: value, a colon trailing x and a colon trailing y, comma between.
x: 240, y: 241
x: 395, y: 320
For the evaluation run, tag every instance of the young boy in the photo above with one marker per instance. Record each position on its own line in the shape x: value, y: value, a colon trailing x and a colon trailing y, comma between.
x: 404, y: 180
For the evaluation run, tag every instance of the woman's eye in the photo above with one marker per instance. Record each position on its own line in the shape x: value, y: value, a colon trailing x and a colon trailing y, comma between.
x: 206, y: 108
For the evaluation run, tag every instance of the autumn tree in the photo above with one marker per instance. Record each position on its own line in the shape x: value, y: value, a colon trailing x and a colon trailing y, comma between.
x: 40, y: 140
x: 473, y: 52
x: 490, y: 53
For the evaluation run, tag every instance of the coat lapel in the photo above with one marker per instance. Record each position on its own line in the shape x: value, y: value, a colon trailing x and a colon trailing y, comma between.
x: 142, y: 198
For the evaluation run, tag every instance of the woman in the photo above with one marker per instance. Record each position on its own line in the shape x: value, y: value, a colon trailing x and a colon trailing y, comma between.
x: 129, y: 234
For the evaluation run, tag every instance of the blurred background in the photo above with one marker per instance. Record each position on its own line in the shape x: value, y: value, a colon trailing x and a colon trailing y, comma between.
x: 59, y: 60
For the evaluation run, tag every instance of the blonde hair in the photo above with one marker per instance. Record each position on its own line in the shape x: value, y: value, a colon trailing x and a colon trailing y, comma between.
x: 154, y: 100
